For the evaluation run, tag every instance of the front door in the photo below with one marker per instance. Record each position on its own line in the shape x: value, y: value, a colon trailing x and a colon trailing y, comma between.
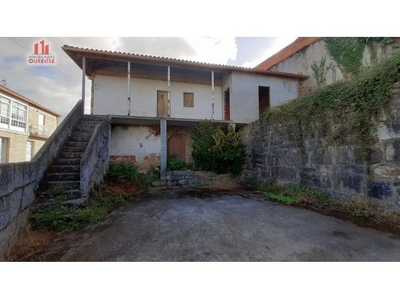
x: 162, y: 104
x: 177, y: 146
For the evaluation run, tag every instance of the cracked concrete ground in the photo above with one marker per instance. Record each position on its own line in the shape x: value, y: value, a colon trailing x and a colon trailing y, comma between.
x: 174, y: 226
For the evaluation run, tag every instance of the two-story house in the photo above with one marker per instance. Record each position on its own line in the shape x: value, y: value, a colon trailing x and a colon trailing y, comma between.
x: 24, y: 126
x: 153, y: 102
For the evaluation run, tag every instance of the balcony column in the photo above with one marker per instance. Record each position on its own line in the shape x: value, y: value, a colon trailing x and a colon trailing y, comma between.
x: 169, y: 90
x: 212, y: 94
x: 129, y: 88
x: 83, y: 79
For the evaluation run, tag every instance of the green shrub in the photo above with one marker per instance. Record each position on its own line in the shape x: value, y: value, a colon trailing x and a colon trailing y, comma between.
x: 281, y: 198
x: 175, y: 163
x: 218, y: 149
x: 122, y: 169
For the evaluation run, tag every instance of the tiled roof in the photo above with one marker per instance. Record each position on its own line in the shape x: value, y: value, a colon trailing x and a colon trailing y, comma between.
x: 76, y: 53
x: 299, y: 44
x: 11, y: 93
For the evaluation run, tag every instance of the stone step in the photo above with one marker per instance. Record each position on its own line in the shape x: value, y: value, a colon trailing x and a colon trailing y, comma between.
x: 82, y: 133
x: 67, y: 161
x: 65, y: 168
x: 77, y: 138
x: 73, y: 149
x: 86, y: 126
x: 63, y: 176
x: 75, y: 185
x: 71, y: 154
x: 69, y: 194
x: 76, y: 144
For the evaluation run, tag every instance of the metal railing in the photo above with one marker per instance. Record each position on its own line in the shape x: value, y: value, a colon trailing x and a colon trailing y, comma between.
x: 41, y: 130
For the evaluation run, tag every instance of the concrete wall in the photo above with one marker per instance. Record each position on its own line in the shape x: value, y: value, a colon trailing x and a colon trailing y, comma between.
x: 18, y: 181
x: 244, y: 94
x: 316, y: 159
x: 110, y: 97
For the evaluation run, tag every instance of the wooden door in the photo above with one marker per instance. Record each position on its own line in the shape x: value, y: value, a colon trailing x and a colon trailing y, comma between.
x: 177, y: 146
x: 162, y: 104
x: 227, y: 106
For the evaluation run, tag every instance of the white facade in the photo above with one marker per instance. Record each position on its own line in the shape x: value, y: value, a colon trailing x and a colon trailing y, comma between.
x: 111, y: 98
x: 244, y: 94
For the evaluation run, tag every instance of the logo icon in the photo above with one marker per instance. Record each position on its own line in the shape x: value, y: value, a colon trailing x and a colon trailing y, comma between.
x: 41, y: 54
x: 45, y: 48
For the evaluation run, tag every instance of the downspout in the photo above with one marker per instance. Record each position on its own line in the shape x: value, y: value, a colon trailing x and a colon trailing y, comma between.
x: 129, y: 88
x: 212, y: 93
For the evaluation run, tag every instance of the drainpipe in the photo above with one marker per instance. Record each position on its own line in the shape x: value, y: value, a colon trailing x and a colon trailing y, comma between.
x: 212, y: 93
x: 129, y: 88
x: 83, y: 79
x: 169, y: 91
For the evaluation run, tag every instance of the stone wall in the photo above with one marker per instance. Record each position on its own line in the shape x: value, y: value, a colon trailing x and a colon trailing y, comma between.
x: 18, y: 181
x: 318, y: 160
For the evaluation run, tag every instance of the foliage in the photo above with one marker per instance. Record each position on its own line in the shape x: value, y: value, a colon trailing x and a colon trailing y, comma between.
x: 175, y: 163
x: 345, y: 107
x: 122, y: 169
x: 218, y: 149
x: 59, y: 217
x: 146, y: 180
x: 320, y: 71
x: 348, y: 52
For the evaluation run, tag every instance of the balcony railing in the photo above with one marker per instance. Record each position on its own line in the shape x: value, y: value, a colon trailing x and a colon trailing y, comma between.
x: 42, y: 131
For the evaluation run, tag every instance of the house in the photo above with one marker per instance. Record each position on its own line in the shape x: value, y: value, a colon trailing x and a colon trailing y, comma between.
x: 24, y: 126
x: 311, y: 56
x: 152, y: 102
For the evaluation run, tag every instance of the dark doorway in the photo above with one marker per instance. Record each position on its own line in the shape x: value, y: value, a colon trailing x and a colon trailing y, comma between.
x: 263, y: 99
x: 227, y: 106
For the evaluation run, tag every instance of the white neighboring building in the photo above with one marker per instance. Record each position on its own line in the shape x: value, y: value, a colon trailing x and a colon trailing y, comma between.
x: 153, y: 101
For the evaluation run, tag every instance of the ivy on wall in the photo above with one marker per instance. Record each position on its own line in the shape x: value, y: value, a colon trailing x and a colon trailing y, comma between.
x: 346, y: 107
x: 320, y: 71
x: 348, y: 52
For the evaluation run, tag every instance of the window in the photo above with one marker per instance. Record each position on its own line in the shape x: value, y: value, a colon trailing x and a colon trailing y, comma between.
x: 188, y: 99
x: 4, y: 111
x: 29, y: 150
x: 13, y: 115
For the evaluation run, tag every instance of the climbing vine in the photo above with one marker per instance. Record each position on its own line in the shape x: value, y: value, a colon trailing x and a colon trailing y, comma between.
x: 320, y: 71
x: 345, y: 107
x: 348, y: 52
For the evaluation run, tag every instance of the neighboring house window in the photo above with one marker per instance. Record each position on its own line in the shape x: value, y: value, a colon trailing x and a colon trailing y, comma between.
x: 188, y: 99
x: 5, y: 111
x: 29, y: 150
x: 3, y: 150
x: 13, y: 115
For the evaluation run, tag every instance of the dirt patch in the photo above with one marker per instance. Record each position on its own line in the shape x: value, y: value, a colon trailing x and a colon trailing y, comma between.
x: 386, y: 225
x: 124, y: 187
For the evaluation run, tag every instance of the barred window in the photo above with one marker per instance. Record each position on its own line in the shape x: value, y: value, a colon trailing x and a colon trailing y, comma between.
x: 188, y: 99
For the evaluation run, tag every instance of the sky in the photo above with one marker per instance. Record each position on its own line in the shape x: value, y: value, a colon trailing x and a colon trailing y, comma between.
x: 58, y: 86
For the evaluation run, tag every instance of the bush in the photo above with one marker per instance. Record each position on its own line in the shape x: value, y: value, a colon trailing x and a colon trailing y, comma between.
x: 218, y: 149
x: 122, y: 169
x: 175, y: 163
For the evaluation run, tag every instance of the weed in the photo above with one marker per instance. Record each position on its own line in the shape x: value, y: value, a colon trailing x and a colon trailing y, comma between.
x: 122, y: 169
x: 175, y: 163
x: 281, y: 198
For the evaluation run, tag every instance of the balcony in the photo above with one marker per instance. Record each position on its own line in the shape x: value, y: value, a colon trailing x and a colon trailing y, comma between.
x: 41, y: 131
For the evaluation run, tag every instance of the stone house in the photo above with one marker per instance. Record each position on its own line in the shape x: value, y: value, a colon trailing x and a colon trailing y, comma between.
x: 24, y: 126
x: 153, y: 102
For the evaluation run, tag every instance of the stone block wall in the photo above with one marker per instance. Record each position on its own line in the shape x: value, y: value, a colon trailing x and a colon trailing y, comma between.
x: 316, y: 159
x: 18, y: 182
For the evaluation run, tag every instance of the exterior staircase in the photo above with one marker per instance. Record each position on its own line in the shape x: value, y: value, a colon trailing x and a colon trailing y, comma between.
x: 62, y: 179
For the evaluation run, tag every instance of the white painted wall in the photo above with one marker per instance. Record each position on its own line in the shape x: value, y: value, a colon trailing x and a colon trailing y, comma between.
x: 134, y: 140
x: 110, y: 97
x: 244, y: 94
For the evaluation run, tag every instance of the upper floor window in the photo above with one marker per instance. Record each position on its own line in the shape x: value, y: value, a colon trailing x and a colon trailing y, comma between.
x: 13, y: 115
x: 188, y: 99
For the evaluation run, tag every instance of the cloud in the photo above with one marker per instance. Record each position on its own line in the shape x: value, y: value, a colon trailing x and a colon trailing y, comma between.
x: 277, y: 45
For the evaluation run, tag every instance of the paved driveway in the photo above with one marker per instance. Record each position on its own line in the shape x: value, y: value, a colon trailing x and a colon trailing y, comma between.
x: 176, y: 226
